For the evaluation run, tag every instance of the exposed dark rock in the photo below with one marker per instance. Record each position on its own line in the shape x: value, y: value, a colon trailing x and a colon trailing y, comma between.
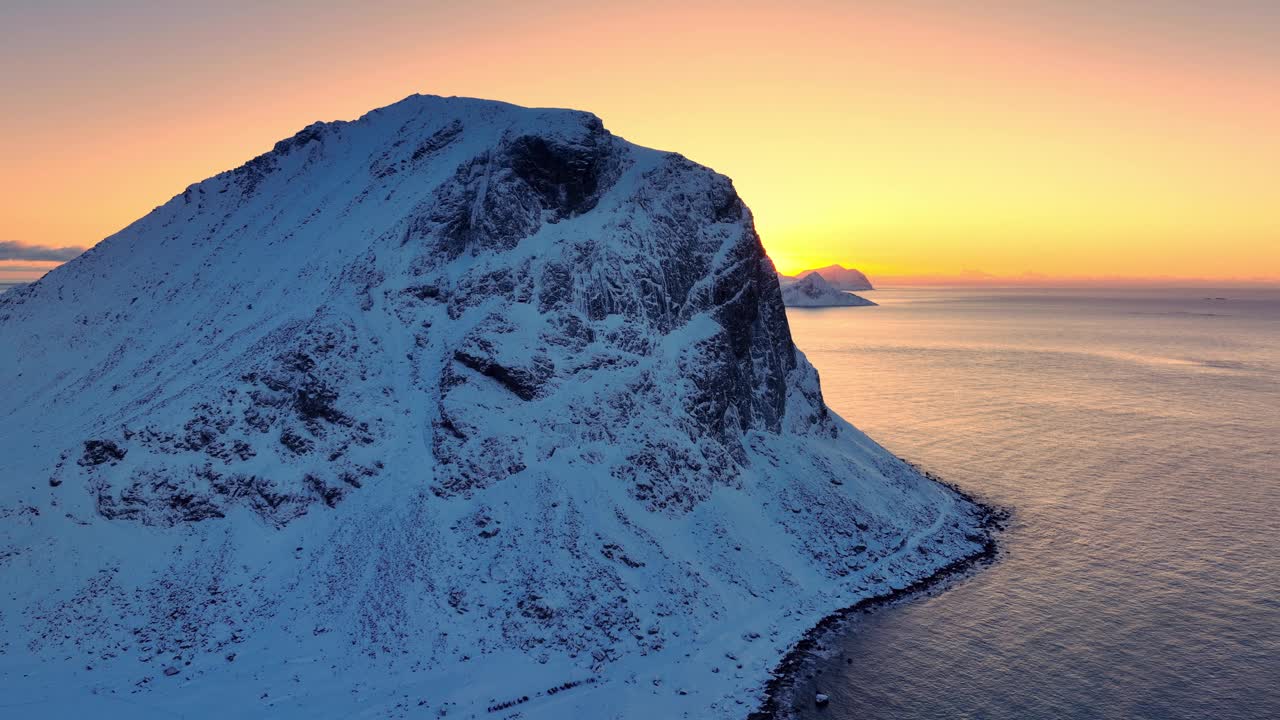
x: 315, y: 401
x: 97, y: 452
x: 614, y: 551
x: 524, y: 382
x: 425, y: 292
x: 439, y: 140
x: 295, y: 442
x: 330, y: 494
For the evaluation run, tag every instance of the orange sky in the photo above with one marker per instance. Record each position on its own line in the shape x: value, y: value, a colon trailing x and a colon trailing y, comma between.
x: 909, y: 138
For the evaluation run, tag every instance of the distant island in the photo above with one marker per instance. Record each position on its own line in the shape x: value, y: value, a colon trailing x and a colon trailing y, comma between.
x: 838, y: 276
x: 813, y: 290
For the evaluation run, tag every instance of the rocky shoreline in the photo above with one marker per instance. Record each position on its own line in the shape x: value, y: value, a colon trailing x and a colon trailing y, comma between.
x: 778, y: 701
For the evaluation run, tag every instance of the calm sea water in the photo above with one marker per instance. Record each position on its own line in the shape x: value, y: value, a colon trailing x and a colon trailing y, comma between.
x: 1134, y: 434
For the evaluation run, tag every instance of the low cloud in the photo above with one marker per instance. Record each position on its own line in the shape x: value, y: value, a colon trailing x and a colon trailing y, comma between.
x: 12, y: 250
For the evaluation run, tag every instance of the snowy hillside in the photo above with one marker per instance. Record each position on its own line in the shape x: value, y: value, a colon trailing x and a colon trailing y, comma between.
x: 459, y: 409
x: 813, y: 291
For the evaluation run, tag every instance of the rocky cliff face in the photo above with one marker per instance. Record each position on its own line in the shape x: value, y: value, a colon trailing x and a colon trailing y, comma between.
x: 458, y: 390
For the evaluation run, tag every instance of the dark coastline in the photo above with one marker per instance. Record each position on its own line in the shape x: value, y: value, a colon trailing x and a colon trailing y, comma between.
x: 784, y: 678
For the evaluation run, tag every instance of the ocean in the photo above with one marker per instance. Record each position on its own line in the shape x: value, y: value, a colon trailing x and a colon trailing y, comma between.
x: 1134, y: 434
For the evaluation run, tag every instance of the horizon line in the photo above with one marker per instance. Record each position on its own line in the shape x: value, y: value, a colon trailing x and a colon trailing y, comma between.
x: 1071, y: 281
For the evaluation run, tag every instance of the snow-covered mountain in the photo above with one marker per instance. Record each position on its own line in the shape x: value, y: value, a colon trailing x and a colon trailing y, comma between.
x: 840, y: 277
x: 459, y: 408
x: 813, y: 291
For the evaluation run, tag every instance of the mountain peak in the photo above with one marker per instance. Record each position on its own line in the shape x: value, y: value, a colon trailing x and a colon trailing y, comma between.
x: 456, y: 387
x: 812, y: 290
x: 841, y: 278
x: 838, y: 276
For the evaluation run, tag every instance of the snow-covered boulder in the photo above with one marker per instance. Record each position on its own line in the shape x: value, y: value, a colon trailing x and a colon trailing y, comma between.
x: 454, y: 407
x: 812, y: 290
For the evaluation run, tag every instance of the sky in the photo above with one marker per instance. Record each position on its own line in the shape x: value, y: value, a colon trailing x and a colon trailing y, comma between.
x: 919, y: 140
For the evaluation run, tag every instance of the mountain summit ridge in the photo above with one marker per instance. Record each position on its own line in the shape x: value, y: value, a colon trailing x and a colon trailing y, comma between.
x: 812, y: 290
x: 458, y: 405
x: 839, y: 276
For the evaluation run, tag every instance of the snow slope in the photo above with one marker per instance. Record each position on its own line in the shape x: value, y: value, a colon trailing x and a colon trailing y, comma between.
x: 813, y: 291
x: 459, y: 408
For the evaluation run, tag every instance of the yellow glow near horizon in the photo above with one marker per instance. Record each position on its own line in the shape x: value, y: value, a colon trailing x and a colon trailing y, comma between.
x: 918, y: 139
